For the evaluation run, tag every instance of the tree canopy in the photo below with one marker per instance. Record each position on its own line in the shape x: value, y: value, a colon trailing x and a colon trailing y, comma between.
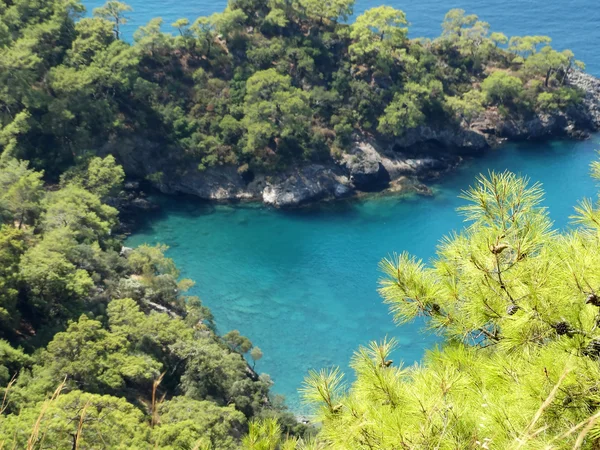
x: 98, y: 345
x: 72, y: 88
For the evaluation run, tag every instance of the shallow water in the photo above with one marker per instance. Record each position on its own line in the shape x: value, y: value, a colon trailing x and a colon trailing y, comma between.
x: 302, y: 284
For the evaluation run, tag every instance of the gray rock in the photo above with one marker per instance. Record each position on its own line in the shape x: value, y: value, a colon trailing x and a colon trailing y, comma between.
x: 131, y: 186
x: 589, y: 114
x: 306, y: 184
x: 448, y: 137
x: 366, y: 171
x: 142, y: 203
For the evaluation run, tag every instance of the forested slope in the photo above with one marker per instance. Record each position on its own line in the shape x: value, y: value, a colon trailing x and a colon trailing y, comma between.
x: 100, y: 347
x: 264, y: 85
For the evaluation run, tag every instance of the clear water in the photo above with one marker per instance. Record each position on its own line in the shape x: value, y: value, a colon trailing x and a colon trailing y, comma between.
x: 570, y: 23
x: 302, y: 284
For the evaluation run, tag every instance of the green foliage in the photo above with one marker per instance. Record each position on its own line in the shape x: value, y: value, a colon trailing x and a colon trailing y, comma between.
x: 548, y: 61
x: 263, y: 435
x: 72, y: 89
x: 256, y: 354
x: 101, y: 176
x: 276, y: 116
x: 466, y: 31
x: 80, y: 211
x: 502, y: 88
x: 115, y: 12
x: 55, y: 284
x: 329, y: 9
x: 468, y: 106
x: 377, y: 33
x: 516, y: 304
x: 560, y: 99
x: 20, y: 191
x: 187, y: 423
x: 94, y: 359
x: 12, y: 246
x: 80, y: 417
x: 406, y: 109
x: 526, y: 45
x: 102, y: 348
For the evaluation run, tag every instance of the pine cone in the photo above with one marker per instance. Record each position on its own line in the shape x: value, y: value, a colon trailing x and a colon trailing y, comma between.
x: 512, y: 309
x: 562, y: 328
x: 592, y: 299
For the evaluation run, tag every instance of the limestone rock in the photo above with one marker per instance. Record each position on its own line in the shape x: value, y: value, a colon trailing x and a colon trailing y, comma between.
x: 310, y: 183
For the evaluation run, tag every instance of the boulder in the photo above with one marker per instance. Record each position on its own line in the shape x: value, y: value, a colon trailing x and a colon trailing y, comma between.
x: 366, y: 172
x: 310, y: 183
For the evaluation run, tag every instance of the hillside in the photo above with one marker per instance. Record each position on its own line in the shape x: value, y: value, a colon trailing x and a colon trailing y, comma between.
x: 285, y: 102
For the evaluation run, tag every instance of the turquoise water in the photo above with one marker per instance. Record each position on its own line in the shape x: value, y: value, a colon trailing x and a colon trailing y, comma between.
x: 571, y: 23
x: 302, y: 284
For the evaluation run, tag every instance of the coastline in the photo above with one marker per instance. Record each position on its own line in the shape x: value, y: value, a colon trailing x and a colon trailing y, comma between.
x: 404, y: 165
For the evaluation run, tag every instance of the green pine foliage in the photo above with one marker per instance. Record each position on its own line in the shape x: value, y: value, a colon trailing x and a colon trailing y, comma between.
x: 517, y: 305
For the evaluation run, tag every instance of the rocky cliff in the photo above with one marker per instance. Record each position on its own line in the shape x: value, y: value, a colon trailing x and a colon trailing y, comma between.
x: 369, y: 165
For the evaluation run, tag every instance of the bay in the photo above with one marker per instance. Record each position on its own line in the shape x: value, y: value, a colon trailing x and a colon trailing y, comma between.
x: 302, y: 284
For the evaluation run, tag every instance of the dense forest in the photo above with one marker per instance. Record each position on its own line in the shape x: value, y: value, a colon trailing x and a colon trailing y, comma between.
x: 102, y: 338
x: 261, y: 86
x: 100, y: 347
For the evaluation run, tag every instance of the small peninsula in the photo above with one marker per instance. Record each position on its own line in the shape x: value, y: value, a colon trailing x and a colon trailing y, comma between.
x: 282, y: 103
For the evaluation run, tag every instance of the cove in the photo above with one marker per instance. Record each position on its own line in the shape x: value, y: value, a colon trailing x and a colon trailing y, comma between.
x: 302, y: 284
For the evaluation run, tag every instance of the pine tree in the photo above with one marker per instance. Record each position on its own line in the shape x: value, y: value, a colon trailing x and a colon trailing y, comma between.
x: 515, y: 302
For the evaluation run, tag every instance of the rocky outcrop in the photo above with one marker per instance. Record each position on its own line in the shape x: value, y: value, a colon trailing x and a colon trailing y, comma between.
x: 576, y: 122
x: 589, y: 113
x: 450, y: 136
x: 422, y: 153
x: 215, y: 183
x: 365, y: 168
x: 307, y: 184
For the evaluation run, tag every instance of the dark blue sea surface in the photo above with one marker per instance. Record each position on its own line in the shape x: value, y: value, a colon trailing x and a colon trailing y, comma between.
x: 571, y: 24
x: 302, y: 284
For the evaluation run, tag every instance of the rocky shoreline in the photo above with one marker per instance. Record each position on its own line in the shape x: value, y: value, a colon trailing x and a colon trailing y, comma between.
x: 404, y: 165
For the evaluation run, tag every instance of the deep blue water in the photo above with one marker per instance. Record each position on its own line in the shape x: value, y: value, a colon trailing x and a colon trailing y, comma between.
x: 302, y: 285
x: 570, y: 23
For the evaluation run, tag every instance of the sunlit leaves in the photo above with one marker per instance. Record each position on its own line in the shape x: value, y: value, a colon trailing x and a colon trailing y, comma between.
x: 518, y: 306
